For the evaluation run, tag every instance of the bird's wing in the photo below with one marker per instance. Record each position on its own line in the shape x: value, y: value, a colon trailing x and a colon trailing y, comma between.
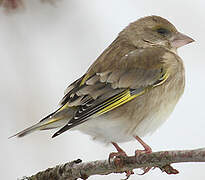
x: 103, y: 89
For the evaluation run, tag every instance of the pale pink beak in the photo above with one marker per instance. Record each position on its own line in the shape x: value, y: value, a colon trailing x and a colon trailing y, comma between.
x: 179, y: 40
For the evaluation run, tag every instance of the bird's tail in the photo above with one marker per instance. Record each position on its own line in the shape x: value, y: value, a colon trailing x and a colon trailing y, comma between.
x: 56, y: 119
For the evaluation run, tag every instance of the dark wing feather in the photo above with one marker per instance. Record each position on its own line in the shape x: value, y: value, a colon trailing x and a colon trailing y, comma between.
x: 98, y: 89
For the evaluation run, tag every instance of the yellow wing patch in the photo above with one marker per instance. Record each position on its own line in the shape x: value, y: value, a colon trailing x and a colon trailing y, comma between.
x: 53, y: 119
x: 126, y: 96
x: 162, y: 79
x: 119, y: 100
x: 84, y: 79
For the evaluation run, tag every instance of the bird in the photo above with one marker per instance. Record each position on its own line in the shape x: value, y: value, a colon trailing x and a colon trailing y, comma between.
x: 129, y: 90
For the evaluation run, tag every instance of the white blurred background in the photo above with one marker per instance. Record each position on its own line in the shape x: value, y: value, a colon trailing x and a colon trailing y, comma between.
x: 44, y: 48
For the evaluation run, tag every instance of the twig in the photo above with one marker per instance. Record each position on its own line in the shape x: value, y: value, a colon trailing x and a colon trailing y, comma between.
x: 76, y: 169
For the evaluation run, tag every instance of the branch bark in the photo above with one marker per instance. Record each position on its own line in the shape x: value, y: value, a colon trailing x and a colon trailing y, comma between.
x: 76, y: 169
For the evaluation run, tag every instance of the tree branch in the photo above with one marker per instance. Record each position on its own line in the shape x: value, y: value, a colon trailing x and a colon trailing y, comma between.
x: 76, y: 169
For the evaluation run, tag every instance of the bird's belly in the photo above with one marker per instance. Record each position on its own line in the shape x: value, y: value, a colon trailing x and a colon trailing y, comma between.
x: 123, y: 129
x: 106, y: 130
x: 140, y: 117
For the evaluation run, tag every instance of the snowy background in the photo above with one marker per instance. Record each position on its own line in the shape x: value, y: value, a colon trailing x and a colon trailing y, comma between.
x: 44, y: 48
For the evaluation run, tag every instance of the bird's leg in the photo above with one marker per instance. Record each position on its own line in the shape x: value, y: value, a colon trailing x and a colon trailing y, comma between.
x: 147, y: 149
x: 120, y: 152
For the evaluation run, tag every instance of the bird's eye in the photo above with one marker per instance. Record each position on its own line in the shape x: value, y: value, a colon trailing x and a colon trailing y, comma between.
x: 162, y: 31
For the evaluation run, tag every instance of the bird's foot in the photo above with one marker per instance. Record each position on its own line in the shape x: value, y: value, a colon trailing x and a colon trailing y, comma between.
x: 128, y: 174
x: 138, y: 153
x: 145, y: 170
x: 116, y: 156
x: 147, y: 150
x: 120, y: 152
x: 117, y: 159
x: 169, y: 169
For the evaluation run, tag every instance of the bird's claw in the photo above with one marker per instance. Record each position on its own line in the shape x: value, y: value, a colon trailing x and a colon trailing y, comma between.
x: 145, y: 170
x: 145, y: 151
x: 169, y: 169
x: 116, y: 156
x: 128, y: 174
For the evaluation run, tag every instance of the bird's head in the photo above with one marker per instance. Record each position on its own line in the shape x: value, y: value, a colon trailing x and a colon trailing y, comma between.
x: 155, y: 30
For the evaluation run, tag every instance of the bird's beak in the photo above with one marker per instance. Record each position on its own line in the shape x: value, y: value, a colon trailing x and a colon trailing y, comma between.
x: 179, y: 40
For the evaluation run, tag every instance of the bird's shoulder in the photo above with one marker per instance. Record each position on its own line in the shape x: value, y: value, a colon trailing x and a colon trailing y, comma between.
x: 148, y: 58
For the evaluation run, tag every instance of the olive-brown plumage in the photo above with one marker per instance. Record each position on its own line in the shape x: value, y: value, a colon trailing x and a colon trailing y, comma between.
x: 130, y: 90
